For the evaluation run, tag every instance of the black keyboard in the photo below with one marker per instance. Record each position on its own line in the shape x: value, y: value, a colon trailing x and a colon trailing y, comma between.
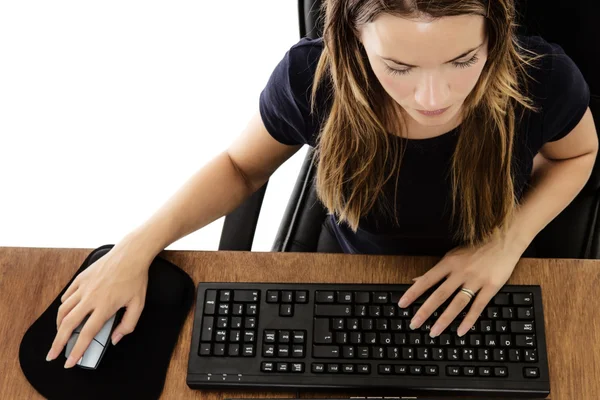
x: 355, y: 337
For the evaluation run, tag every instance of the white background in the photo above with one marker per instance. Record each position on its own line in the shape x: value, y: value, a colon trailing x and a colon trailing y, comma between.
x: 108, y: 108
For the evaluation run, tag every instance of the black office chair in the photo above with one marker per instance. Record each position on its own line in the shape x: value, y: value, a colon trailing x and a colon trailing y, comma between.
x: 572, y: 234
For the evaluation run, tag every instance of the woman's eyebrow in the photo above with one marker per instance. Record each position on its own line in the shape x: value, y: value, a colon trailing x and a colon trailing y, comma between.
x: 449, y: 61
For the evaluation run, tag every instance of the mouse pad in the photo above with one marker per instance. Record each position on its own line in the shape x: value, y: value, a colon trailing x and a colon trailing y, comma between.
x: 136, y: 367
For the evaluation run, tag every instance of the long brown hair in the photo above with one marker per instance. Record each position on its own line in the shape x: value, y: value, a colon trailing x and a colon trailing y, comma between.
x: 353, y: 147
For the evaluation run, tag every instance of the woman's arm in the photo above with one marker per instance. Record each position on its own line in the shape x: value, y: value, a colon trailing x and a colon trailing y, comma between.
x: 560, y: 171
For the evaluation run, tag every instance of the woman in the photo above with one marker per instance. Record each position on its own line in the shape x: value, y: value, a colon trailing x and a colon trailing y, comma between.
x: 426, y: 117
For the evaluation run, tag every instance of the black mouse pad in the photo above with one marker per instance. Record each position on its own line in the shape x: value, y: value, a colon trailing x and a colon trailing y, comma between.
x: 136, y: 367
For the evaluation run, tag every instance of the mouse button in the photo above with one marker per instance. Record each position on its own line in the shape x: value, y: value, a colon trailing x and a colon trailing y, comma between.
x: 92, y: 355
x: 104, y: 333
x: 71, y: 344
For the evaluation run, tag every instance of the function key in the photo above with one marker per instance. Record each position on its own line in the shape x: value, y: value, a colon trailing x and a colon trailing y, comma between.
x: 333, y: 368
x: 297, y: 367
x: 301, y: 296
x: 385, y: 369
x: 287, y: 296
x: 209, y: 302
x: 348, y: 368
x: 272, y: 296
x: 225, y: 296
x: 318, y: 368
x: 282, y: 367
x: 323, y: 297
x: 522, y: 299
x: 266, y: 366
x: 245, y: 296
x: 502, y: 299
x: 363, y: 368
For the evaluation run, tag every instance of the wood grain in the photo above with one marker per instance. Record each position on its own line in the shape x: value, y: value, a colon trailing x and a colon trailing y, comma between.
x: 30, y: 279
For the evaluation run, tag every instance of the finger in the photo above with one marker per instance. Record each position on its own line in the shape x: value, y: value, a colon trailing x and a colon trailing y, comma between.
x: 66, y: 307
x: 459, y: 302
x: 481, y: 301
x: 129, y: 321
x: 71, y: 289
x: 433, y: 302
x: 68, y: 325
x: 87, y: 334
x: 423, y: 283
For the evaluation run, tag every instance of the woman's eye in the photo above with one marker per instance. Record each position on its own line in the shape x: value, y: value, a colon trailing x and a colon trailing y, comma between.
x: 464, y: 64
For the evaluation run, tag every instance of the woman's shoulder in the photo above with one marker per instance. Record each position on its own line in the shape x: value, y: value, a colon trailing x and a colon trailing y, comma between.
x: 557, y: 87
x: 285, y: 101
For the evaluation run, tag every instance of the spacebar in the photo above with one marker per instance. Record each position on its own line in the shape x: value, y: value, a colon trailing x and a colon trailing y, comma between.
x: 326, y: 351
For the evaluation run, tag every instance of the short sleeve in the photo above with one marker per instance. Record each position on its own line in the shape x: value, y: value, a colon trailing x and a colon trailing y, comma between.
x: 284, y: 102
x: 568, y: 96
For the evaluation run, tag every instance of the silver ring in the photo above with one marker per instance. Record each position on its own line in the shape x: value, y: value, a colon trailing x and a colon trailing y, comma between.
x: 468, y: 292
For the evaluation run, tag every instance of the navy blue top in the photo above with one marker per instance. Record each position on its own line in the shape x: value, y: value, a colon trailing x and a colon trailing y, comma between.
x: 424, y: 190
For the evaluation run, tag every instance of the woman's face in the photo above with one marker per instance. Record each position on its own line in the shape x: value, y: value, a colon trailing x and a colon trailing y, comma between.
x: 427, y: 65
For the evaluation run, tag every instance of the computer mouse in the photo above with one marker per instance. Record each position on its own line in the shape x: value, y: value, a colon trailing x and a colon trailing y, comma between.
x: 98, y: 346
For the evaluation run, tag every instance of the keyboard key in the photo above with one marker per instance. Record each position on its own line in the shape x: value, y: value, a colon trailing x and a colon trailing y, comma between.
x: 219, y: 349
x: 272, y: 296
x: 323, y: 297
x: 333, y: 310
x: 321, y: 332
x: 283, y: 351
x: 266, y: 366
x: 525, y: 340
x: 301, y: 297
x: 522, y: 299
x: 210, y: 302
x: 531, y: 372
x: 363, y: 368
x: 225, y: 296
x: 326, y: 351
x: 297, y: 351
x: 416, y: 369
x: 297, y: 367
x: 299, y: 337
x: 282, y: 367
x: 205, y: 349
x: 400, y: 369
x: 269, y: 337
x: 469, y: 371
x: 268, y: 350
x: 348, y: 368
x: 235, y: 336
x: 245, y: 296
x: 317, y: 368
x: 286, y: 310
x: 249, y: 350
x: 250, y: 322
x: 362, y: 297
x: 431, y: 370
x: 452, y: 371
x: 249, y: 337
x: 207, y: 329
x: 501, y: 371
x: 287, y: 296
x: 344, y: 297
x: 333, y: 368
x: 234, y: 350
x: 384, y: 369
x: 380, y: 297
x: 501, y: 299
x: 521, y: 327
x: 284, y: 336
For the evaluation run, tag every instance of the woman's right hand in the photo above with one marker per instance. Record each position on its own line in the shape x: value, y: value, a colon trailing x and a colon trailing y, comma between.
x: 118, y: 279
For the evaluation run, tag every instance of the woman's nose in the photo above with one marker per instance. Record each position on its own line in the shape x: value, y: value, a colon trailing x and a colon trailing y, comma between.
x: 432, y: 92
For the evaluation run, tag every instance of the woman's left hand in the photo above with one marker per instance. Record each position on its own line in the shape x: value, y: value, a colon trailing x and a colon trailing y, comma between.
x: 483, y: 269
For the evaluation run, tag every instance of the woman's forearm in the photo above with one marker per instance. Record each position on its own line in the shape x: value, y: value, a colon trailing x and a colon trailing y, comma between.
x: 554, y: 186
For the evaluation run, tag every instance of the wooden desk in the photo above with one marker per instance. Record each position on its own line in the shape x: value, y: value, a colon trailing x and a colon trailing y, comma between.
x: 31, y: 278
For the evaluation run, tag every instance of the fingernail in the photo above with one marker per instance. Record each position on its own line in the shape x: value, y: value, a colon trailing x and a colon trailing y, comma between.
x: 403, y: 302
x: 415, y: 323
x: 70, y: 362
x: 49, y: 357
x: 460, y: 332
x: 434, y: 332
x: 117, y: 338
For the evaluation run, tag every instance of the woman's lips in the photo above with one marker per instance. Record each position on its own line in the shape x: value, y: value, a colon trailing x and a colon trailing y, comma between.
x: 435, y: 112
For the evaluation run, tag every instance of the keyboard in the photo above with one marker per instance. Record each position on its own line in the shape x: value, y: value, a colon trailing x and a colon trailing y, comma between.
x: 355, y: 337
